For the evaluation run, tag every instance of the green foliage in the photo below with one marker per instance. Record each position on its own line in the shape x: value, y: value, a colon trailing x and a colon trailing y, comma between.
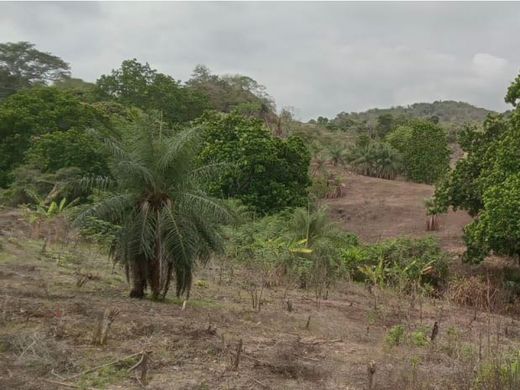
x: 400, y: 262
x: 424, y: 149
x: 62, y: 149
x: 449, y: 114
x: 135, y: 84
x: 376, y: 159
x: 337, y: 155
x: 419, y: 338
x: 513, y: 92
x: 231, y: 93
x: 167, y: 223
x: 34, y: 112
x: 498, y: 226
x: 503, y: 373
x: 101, y: 232
x: 265, y: 173
x: 30, y: 182
x: 300, y: 245
x: 395, y: 335
x: 487, y: 184
x: 22, y: 66
x: 463, y: 187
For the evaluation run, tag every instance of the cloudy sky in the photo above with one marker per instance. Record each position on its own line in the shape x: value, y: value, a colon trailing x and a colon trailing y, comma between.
x: 319, y: 58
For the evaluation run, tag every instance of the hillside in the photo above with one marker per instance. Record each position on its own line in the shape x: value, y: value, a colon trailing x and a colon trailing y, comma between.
x: 450, y: 114
x: 53, y: 296
x: 377, y: 209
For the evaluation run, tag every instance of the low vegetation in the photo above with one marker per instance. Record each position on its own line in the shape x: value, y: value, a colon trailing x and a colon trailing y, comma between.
x: 204, y: 185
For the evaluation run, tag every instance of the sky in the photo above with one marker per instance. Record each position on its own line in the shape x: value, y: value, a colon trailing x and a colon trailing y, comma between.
x: 316, y: 58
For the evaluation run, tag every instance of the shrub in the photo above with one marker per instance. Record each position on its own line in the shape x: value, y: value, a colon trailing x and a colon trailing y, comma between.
x: 266, y: 173
x: 395, y: 335
x: 400, y: 262
x: 419, y: 338
x: 376, y: 159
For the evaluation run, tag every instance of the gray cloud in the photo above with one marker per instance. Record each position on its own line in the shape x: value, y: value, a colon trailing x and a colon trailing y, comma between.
x: 321, y: 58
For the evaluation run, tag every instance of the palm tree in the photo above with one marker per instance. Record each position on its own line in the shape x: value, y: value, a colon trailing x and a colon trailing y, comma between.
x: 336, y: 155
x: 377, y: 159
x: 166, y: 221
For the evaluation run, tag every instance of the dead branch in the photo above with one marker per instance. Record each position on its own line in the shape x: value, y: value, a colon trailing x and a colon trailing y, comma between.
x: 107, y: 364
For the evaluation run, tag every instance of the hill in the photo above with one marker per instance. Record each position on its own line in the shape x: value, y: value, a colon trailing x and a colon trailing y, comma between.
x: 450, y: 114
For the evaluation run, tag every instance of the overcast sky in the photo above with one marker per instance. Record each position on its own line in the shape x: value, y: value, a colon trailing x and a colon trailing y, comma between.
x: 320, y: 58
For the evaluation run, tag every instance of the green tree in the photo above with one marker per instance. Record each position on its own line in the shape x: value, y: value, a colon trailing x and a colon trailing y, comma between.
x: 462, y: 188
x: 135, y: 84
x: 73, y: 148
x: 513, y: 92
x: 424, y: 148
x: 23, y: 66
x: 376, y: 159
x: 167, y: 223
x: 232, y: 93
x: 34, y: 112
x: 337, y: 155
x: 487, y: 184
x: 266, y: 173
x: 385, y: 124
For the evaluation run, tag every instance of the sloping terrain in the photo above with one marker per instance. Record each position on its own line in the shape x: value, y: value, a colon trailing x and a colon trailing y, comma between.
x: 376, y: 209
x: 48, y: 319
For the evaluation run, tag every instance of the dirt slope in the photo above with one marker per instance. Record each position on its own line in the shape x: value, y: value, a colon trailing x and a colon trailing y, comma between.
x: 376, y: 209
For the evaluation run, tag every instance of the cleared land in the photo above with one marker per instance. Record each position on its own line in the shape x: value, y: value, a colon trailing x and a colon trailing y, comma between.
x: 51, y: 299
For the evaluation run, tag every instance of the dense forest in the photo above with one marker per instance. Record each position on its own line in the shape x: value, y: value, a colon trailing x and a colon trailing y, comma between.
x: 166, y: 176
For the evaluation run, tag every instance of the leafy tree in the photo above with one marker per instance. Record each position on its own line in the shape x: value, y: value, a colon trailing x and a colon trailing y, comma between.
x: 424, y: 148
x: 266, y: 173
x: 135, y: 84
x: 463, y: 187
x: 376, y: 159
x: 23, y: 66
x: 73, y: 148
x: 487, y: 184
x: 513, y: 92
x: 34, y: 112
x: 385, y: 124
x: 498, y: 225
x: 232, y: 93
x: 167, y: 223
x: 337, y: 155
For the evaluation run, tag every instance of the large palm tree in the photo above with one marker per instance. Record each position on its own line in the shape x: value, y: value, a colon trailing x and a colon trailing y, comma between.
x: 166, y: 220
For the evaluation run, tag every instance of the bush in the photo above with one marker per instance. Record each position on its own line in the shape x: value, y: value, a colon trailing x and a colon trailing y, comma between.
x: 395, y: 335
x: 376, y: 159
x: 63, y: 149
x: 265, y: 173
x: 424, y: 149
x: 300, y: 246
x: 400, y: 262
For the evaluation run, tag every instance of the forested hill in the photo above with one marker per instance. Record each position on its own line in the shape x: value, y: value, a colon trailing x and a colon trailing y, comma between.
x: 449, y: 113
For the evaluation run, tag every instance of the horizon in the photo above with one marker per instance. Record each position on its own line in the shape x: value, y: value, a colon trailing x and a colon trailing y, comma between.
x: 318, y: 58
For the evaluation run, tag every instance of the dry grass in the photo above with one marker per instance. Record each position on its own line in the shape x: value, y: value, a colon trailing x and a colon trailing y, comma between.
x: 48, y: 319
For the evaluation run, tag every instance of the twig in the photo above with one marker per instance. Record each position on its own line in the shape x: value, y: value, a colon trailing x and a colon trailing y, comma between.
x: 261, y: 384
x: 104, y: 365
x: 237, y: 356
x: 137, y: 364
x: 61, y: 383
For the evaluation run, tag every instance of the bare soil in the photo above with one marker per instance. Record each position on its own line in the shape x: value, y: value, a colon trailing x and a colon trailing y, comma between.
x: 48, y: 317
x: 376, y: 209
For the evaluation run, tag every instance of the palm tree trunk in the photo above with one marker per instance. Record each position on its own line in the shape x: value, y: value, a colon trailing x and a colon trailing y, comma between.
x: 138, y: 273
x: 154, y: 277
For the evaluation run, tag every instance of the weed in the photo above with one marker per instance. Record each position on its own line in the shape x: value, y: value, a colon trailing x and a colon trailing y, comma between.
x: 419, y: 338
x: 395, y: 335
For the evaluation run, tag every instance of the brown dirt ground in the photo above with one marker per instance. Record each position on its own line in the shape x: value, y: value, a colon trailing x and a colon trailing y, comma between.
x: 377, y: 209
x: 47, y: 320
